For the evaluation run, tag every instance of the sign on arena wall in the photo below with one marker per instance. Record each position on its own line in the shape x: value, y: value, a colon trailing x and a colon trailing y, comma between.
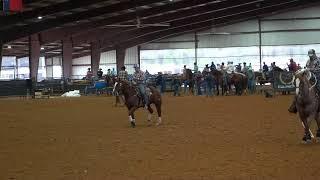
x: 283, y: 81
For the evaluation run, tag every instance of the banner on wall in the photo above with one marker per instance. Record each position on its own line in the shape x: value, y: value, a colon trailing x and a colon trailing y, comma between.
x: 12, y: 5
x: 284, y: 81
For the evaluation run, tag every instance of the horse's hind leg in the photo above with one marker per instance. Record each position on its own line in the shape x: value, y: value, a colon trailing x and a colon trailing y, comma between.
x: 318, y: 124
x: 149, y: 114
x: 158, y: 106
x: 131, y: 116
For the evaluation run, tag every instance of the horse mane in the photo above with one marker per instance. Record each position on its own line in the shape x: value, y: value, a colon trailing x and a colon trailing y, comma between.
x: 216, y: 72
x: 126, y: 88
x: 189, y: 74
x: 240, y: 74
x: 277, y: 69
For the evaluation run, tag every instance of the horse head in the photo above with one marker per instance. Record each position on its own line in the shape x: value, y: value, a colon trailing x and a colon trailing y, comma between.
x: 303, y: 81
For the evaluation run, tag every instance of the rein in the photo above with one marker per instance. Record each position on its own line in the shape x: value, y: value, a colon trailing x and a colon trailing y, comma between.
x: 315, y: 82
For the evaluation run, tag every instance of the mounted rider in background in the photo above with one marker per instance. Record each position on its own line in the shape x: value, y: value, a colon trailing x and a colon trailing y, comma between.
x: 140, y: 80
x: 313, y: 64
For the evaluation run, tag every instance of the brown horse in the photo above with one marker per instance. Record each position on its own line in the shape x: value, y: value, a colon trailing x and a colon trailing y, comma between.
x: 240, y: 82
x: 221, y: 81
x: 134, y: 101
x: 189, y: 80
x: 307, y: 103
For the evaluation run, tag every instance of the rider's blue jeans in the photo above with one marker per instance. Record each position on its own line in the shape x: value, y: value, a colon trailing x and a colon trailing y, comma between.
x: 142, y: 89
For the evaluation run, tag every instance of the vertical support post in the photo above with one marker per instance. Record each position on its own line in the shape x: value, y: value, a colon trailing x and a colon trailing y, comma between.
x: 1, y: 47
x: 34, y: 55
x: 139, y: 60
x: 16, y: 69
x: 260, y: 43
x: 67, y: 58
x: 120, y: 55
x: 95, y: 57
x: 196, y: 47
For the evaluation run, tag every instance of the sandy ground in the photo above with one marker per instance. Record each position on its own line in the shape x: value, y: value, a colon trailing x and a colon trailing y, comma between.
x: 247, y: 137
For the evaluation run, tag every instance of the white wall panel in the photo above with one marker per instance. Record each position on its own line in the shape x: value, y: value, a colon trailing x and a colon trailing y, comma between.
x: 242, y: 40
x: 228, y: 40
x: 189, y: 36
x: 286, y: 38
x: 172, y: 45
x: 292, y: 24
x: 131, y: 56
x: 246, y: 26
x: 82, y: 60
x: 307, y: 12
x: 108, y: 57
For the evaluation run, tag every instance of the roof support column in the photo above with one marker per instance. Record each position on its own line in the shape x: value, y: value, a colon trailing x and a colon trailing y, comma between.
x: 1, y: 47
x: 95, y: 57
x: 67, y: 58
x: 139, y: 51
x: 260, y: 44
x: 34, y: 56
x: 120, y: 55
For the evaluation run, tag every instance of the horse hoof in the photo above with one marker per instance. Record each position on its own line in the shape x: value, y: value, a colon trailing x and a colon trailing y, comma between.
x: 133, y: 124
x: 306, y: 142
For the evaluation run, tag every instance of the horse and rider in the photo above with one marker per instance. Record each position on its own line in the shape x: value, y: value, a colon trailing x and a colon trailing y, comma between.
x: 306, y: 100
x: 137, y: 94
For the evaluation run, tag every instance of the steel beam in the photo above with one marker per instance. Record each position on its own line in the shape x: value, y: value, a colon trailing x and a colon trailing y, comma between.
x: 21, y: 31
x: 67, y: 58
x: 120, y: 55
x: 44, y: 11
x: 1, y: 47
x: 238, y: 14
x: 34, y: 55
x: 95, y: 57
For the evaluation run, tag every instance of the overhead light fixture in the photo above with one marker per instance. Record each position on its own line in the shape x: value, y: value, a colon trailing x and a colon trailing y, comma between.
x: 42, y: 48
x: 170, y: 0
x: 9, y: 47
x: 39, y: 17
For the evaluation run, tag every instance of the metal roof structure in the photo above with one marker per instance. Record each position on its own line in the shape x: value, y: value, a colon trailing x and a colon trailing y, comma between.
x: 87, y: 21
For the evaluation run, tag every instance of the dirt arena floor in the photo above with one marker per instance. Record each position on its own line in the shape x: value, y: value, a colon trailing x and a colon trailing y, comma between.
x: 87, y: 138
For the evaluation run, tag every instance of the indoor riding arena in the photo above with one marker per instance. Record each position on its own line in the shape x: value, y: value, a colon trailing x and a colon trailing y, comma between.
x: 159, y: 89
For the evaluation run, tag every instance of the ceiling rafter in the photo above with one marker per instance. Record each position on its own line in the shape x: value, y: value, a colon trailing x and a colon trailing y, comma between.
x: 44, y: 11
x: 22, y: 31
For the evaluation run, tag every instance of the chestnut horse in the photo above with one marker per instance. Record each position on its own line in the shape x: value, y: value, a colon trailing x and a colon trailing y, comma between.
x: 221, y: 81
x: 133, y: 100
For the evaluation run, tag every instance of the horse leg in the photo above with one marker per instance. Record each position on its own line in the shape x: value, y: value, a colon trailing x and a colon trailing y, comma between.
x: 149, y: 114
x: 217, y: 88
x: 131, y: 116
x: 158, y: 107
x: 117, y: 100
x: 307, y: 135
x: 318, y: 124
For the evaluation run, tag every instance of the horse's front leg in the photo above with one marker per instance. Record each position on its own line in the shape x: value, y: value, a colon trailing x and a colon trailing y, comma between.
x: 131, y: 116
x: 217, y: 88
x: 307, y: 133
x: 317, y: 117
x: 149, y: 114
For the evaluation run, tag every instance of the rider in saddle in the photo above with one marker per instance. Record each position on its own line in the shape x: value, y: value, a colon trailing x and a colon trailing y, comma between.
x: 195, y: 67
x: 224, y: 72
x: 245, y: 68
x: 139, y: 79
x: 123, y: 74
x: 230, y: 67
x: 313, y: 64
